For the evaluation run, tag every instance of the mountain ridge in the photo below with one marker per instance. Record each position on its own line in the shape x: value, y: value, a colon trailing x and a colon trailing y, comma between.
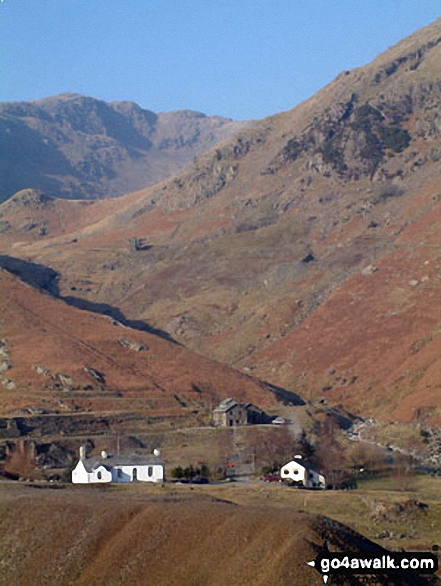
x: 76, y: 146
x: 275, y: 234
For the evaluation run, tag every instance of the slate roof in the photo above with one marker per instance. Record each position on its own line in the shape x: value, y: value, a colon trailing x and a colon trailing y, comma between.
x: 229, y: 403
x: 128, y: 460
x: 303, y: 463
x: 226, y: 405
x: 251, y: 407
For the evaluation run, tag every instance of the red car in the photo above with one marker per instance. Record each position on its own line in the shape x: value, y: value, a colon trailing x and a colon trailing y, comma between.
x: 271, y: 478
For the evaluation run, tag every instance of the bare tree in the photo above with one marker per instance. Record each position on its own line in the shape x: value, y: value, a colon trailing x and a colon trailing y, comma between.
x: 329, y: 455
x: 273, y: 447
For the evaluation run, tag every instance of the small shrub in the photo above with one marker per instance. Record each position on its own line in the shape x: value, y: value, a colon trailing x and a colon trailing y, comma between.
x: 365, y: 117
x: 387, y: 192
x: 395, y: 138
x: 372, y: 150
x: 292, y: 149
x: 66, y: 475
x: 265, y: 470
x: 333, y: 155
x: 177, y: 473
x: 190, y: 473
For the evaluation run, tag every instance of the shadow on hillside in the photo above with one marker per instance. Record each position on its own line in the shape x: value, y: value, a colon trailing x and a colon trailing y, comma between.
x: 46, y: 279
x: 342, y: 538
x: 287, y: 397
x: 33, y: 274
x: 117, y: 314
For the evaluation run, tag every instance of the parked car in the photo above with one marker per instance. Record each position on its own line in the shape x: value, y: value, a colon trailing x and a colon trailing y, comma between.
x: 271, y: 478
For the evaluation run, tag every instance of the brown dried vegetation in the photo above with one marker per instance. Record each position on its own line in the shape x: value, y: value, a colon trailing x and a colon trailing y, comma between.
x: 348, y: 179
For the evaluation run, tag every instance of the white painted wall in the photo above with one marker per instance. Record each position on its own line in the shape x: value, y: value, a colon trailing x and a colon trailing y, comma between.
x: 81, y: 476
x: 295, y: 471
x: 100, y: 474
x: 148, y: 473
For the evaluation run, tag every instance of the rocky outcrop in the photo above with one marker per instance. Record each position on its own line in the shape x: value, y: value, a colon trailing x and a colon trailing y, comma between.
x: 74, y: 146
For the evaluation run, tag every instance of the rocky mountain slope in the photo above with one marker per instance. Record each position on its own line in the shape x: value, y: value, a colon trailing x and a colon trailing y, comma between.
x: 79, y: 147
x: 304, y: 250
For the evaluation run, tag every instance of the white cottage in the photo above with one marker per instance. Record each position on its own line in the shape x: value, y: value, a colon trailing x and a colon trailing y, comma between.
x: 101, y: 469
x: 302, y: 474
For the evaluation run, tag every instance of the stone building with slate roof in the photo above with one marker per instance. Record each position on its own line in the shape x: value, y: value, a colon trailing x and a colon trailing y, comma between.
x: 230, y: 413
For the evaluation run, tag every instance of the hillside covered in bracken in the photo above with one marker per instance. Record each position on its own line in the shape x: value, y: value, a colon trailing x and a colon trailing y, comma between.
x: 304, y: 250
x: 56, y: 358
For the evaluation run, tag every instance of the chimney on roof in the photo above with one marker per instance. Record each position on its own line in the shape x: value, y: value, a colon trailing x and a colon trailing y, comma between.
x: 298, y: 457
x: 82, y: 452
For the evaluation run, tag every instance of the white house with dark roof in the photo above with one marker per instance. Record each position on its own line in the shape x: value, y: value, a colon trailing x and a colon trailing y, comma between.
x: 104, y: 468
x: 302, y: 474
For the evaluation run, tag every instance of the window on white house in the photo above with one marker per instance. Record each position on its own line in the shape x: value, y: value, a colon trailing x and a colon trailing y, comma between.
x: 150, y: 470
x: 99, y: 475
x: 135, y: 474
x: 295, y: 471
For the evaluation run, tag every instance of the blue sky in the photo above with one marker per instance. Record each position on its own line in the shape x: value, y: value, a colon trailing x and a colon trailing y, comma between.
x: 238, y: 58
